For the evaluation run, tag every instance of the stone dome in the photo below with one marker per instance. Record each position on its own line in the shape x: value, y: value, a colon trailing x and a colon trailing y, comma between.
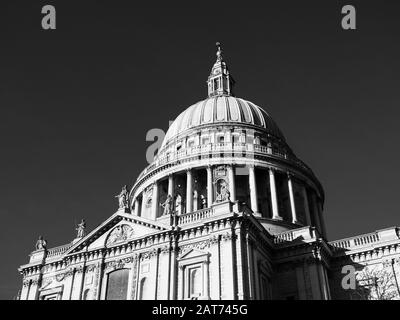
x: 225, y: 149
x: 222, y: 110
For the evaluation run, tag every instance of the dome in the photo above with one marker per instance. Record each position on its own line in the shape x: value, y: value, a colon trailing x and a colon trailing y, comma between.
x: 227, y: 150
x: 222, y: 110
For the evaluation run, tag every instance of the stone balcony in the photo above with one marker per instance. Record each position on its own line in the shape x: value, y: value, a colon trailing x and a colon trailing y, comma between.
x: 215, y: 149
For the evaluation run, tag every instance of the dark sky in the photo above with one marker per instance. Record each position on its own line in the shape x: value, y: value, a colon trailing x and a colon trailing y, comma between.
x: 76, y: 103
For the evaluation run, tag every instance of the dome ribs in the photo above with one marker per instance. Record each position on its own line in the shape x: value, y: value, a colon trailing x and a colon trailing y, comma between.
x: 224, y: 110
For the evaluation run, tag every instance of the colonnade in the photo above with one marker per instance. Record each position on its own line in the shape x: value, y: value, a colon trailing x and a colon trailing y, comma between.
x: 276, y: 214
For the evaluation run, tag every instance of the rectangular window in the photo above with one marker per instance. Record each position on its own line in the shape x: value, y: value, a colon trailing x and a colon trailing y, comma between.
x: 216, y: 84
x: 235, y: 138
x: 195, y: 283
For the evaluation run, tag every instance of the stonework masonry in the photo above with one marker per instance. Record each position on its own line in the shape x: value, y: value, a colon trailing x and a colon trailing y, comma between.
x: 225, y: 211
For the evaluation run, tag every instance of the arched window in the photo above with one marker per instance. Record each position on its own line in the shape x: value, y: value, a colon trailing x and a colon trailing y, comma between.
x: 144, y: 293
x: 117, y: 285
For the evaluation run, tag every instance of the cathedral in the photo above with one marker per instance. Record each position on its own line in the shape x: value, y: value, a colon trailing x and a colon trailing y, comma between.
x: 226, y: 211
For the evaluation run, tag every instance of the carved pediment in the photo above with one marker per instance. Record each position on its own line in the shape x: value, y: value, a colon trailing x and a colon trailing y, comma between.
x: 120, y: 233
x: 192, y: 253
x: 117, y: 229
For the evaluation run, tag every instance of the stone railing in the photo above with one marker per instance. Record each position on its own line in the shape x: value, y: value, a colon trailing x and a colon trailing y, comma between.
x: 350, y: 243
x: 57, y: 251
x: 283, y: 237
x: 305, y: 233
x: 195, y: 216
x: 206, y: 149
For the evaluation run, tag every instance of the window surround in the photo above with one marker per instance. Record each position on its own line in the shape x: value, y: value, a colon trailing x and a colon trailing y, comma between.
x: 186, y: 265
x: 56, y: 292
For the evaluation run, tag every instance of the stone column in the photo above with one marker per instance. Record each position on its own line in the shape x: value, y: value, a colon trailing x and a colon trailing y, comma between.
x: 132, y: 278
x: 206, y: 280
x: 274, y: 199
x: 239, y: 268
x: 253, y: 189
x: 249, y: 252
x: 171, y: 185
x: 306, y: 205
x: 136, y: 296
x: 232, y: 188
x: 77, y: 285
x: 324, y: 282
x: 81, y: 272
x: 34, y: 288
x: 154, y: 207
x: 173, y: 271
x: 301, y: 282
x: 100, y: 294
x: 292, y: 200
x: 189, y: 191
x: 25, y: 289
x: 209, y: 187
x: 228, y: 262
x: 317, y: 221
x: 68, y: 284
x: 321, y: 218
x: 136, y: 212
x: 183, y: 289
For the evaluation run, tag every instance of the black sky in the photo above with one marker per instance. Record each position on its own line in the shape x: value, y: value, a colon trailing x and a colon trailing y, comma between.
x: 76, y: 103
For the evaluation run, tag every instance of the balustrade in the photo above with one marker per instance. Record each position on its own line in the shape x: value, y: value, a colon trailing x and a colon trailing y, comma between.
x: 56, y: 251
x: 195, y: 216
x: 165, y: 158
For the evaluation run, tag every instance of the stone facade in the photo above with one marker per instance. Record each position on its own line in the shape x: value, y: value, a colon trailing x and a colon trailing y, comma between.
x: 225, y: 211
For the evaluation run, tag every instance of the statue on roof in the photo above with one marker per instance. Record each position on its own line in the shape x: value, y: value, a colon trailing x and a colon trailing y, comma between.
x: 123, y: 198
x: 81, y: 229
x: 41, y: 244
